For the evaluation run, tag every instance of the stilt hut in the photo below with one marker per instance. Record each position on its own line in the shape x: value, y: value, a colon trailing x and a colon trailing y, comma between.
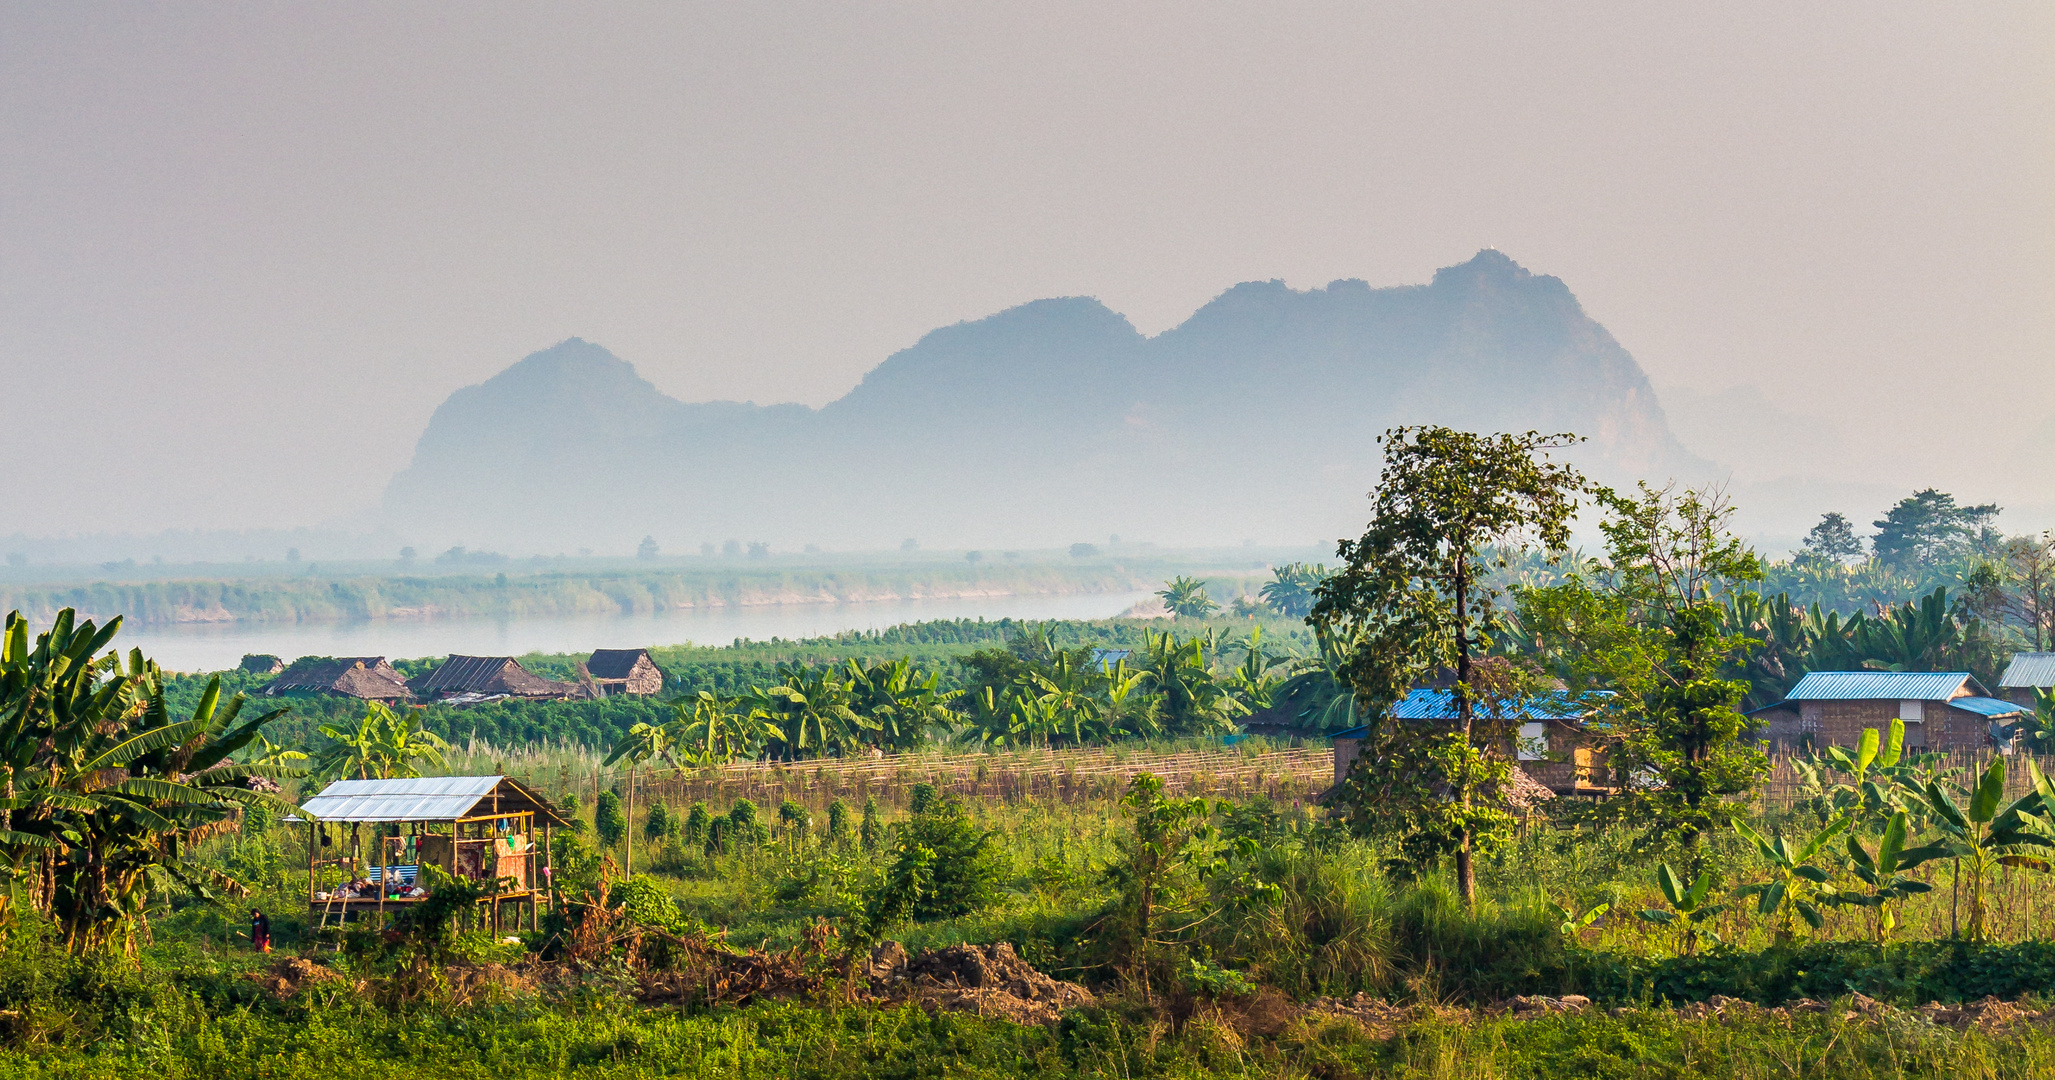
x: 368, y: 839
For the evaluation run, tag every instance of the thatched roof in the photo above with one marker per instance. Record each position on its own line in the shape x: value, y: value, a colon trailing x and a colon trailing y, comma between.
x: 488, y: 675
x: 366, y: 677
x: 614, y: 663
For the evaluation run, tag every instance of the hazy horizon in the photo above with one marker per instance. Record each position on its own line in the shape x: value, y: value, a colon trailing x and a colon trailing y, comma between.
x: 248, y: 252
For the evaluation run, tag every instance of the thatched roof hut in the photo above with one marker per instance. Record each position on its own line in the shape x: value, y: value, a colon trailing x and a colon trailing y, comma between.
x: 479, y: 678
x: 367, y: 677
x: 624, y: 671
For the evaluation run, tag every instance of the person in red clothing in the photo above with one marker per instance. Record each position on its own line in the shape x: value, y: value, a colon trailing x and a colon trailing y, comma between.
x: 260, y: 931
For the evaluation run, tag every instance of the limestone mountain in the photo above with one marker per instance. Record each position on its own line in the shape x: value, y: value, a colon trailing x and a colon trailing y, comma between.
x: 1047, y: 423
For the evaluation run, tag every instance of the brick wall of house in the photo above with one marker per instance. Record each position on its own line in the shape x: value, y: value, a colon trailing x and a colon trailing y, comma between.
x: 1841, y: 723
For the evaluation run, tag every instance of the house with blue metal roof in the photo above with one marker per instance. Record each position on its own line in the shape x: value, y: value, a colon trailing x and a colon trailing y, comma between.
x: 2028, y: 672
x: 1942, y: 710
x: 1549, y: 741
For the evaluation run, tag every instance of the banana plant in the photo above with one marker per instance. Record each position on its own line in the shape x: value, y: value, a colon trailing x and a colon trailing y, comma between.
x: 1981, y: 833
x: 990, y: 720
x: 1796, y: 887
x: 1570, y: 923
x: 1863, y: 795
x: 1688, y: 907
x: 1883, y: 873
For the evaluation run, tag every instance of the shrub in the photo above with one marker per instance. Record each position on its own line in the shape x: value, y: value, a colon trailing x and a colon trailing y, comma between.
x: 646, y: 903
x: 608, y: 820
x: 794, y: 820
x: 659, y: 823
x: 922, y: 797
x: 697, y: 822
x: 743, y: 822
x: 838, y: 822
x: 961, y: 865
x: 873, y: 830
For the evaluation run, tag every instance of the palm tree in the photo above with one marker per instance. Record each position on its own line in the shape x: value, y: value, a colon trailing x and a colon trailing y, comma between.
x: 1290, y: 592
x: 104, y: 792
x: 990, y: 720
x: 1320, y: 695
x: 1069, y: 701
x: 1178, y: 673
x: 383, y: 745
x: 1130, y: 709
x: 1251, y: 679
x: 900, y: 702
x: 811, y: 708
x: 714, y: 731
x: 1186, y: 597
x: 642, y: 743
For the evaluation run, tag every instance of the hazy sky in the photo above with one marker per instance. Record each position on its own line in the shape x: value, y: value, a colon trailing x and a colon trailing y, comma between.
x: 246, y: 250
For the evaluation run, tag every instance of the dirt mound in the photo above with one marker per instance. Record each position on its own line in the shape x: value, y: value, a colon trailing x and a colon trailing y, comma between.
x: 708, y: 972
x: 989, y: 980
x: 293, y: 974
x: 1989, y: 1016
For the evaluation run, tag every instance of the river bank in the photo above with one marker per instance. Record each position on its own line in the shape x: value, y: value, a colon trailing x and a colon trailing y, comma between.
x: 548, y: 594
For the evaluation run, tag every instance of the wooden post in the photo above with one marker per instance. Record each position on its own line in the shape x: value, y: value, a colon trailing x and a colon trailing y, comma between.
x: 628, y: 843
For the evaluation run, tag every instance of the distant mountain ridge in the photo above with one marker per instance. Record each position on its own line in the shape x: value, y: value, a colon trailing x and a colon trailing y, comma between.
x: 1046, y: 423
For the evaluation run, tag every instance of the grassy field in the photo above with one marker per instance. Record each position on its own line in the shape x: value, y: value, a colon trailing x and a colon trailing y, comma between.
x: 1338, y: 925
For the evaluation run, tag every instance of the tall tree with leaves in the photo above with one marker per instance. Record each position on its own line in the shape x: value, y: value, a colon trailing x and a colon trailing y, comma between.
x: 1832, y: 540
x: 1415, y: 590
x: 1651, y: 623
x: 1928, y: 528
x: 2029, y: 564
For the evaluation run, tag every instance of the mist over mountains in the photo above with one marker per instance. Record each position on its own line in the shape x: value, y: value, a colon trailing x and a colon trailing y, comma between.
x: 1052, y: 422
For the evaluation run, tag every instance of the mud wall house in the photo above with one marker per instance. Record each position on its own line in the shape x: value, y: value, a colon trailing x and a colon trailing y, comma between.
x: 1550, y: 742
x: 624, y: 671
x: 369, y: 678
x: 461, y: 680
x: 2028, y: 672
x: 1942, y: 710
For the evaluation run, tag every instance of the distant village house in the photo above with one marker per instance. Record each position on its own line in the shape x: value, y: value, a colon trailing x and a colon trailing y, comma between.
x: 368, y: 678
x: 465, y: 680
x: 1942, y: 710
x: 1551, y: 744
x: 624, y: 671
x: 2028, y: 672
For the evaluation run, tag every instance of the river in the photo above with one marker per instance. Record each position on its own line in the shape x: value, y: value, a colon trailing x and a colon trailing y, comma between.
x: 218, y: 646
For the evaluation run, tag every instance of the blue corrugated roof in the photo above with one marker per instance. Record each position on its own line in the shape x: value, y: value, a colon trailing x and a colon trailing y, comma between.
x: 1880, y: 685
x: 1987, y: 706
x: 1441, y: 705
x: 2029, y: 669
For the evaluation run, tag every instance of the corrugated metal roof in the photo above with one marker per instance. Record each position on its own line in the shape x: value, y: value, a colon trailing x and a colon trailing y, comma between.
x: 420, y: 798
x: 1440, y: 705
x: 1880, y: 686
x: 2029, y: 669
x: 1987, y: 706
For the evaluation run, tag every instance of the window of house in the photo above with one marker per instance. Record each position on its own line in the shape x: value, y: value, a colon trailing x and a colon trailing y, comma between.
x: 1533, y: 741
x: 1909, y: 711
